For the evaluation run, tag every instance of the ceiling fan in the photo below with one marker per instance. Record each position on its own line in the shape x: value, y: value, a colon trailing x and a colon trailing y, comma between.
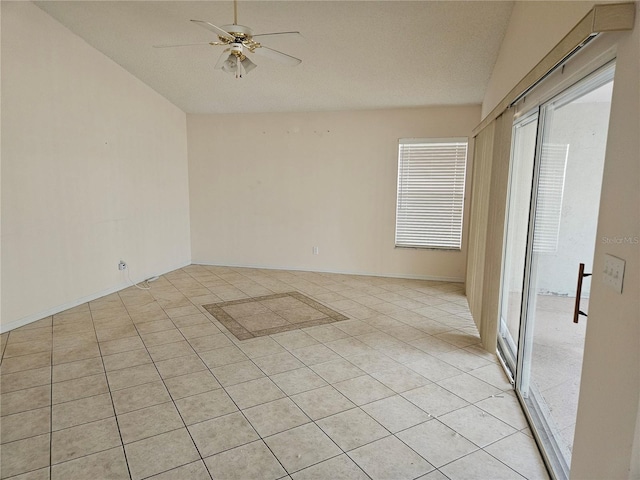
x: 239, y: 41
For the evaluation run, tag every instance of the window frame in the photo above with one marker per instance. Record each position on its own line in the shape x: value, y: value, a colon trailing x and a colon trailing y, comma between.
x: 456, y: 199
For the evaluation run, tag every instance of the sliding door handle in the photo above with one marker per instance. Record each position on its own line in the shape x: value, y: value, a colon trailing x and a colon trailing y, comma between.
x: 576, y: 310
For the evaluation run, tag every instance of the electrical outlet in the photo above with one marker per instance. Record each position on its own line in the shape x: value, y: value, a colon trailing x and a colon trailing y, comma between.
x: 122, y: 265
x: 613, y: 272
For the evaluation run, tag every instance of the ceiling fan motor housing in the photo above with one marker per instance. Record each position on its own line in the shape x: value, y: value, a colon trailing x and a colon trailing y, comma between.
x: 236, y: 49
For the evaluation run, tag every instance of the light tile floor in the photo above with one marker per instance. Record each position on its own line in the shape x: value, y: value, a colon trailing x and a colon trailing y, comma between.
x: 146, y: 384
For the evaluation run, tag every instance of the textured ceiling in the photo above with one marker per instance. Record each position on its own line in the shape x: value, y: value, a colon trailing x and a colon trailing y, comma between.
x: 355, y: 54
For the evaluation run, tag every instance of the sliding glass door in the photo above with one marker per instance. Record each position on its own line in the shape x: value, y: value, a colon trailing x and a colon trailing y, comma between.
x: 554, y: 194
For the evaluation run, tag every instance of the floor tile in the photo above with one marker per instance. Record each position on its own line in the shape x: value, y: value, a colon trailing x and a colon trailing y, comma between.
x: 468, y: 387
x: 434, y: 369
x: 24, y: 425
x: 349, y: 347
x: 26, y: 348
x: 354, y: 326
x: 253, y: 460
x: 75, y: 353
x: 493, y: 374
x: 390, y: 458
x: 301, y: 447
x: 80, y: 368
x: 314, y: 354
x: 84, y: 410
x: 79, y: 339
x: 148, y: 422
x: 79, y: 388
x: 433, y: 475
x: 191, y: 384
x: 352, y: 429
x: 40, y: 474
x: 476, y: 425
x: 122, y: 360
x: 223, y: 356
x: 24, y: 400
x: 205, y: 406
x: 373, y: 362
x: 337, y: 370
x: 325, y: 333
x: 118, y: 346
x: 161, y: 338
x: 181, y: 311
x: 254, y: 392
x: 505, y: 407
x: 322, y: 402
x: 463, y: 360
x: 200, y: 330
x: 275, y: 417
x: 210, y: 342
x: 261, y: 347
x: 24, y: 455
x: 122, y: 331
x: 132, y: 376
x: 191, y: 471
x: 479, y: 466
x: 160, y: 453
x: 25, y: 362
x: 521, y: 453
x: 326, y: 370
x: 294, y: 339
x: 361, y: 390
x: 11, y: 382
x: 170, y: 350
x: 336, y: 468
x: 434, y: 399
x: 436, y: 442
x: 222, y: 433
x: 278, y: 363
x: 85, y: 439
x: 400, y: 379
x: 174, y: 367
x: 236, y: 373
x: 395, y: 413
x: 190, y: 320
x: 296, y: 381
x: 140, y: 396
x: 155, y: 326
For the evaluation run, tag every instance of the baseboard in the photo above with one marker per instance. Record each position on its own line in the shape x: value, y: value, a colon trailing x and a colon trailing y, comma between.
x: 364, y: 274
x: 66, y: 306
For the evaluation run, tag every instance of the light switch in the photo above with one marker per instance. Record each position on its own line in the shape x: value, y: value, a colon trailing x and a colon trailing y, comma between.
x: 613, y: 272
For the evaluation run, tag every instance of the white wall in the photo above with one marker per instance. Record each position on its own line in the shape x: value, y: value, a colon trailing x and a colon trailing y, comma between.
x: 610, y: 386
x: 94, y: 170
x: 266, y: 188
x: 534, y: 29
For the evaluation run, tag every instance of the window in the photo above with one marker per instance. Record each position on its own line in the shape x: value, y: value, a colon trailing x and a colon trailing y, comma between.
x: 431, y: 174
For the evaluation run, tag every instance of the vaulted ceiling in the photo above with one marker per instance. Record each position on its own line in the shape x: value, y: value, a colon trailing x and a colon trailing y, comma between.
x: 355, y: 54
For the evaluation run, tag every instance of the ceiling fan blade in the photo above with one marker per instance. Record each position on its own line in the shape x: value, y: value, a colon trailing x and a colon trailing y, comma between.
x: 217, y: 30
x: 277, y: 56
x: 183, y: 45
x: 278, y: 34
x: 222, y: 59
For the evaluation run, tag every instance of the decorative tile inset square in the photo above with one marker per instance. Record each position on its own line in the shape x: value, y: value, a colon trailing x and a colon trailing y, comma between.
x: 259, y: 316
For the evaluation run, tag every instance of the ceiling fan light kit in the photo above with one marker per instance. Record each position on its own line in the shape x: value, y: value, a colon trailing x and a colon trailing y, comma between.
x: 240, y: 40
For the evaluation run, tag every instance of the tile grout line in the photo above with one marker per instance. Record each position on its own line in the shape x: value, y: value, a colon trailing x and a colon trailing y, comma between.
x: 124, y: 452
x: 170, y: 395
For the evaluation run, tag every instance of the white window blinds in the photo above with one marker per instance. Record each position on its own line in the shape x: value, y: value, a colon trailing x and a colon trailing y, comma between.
x: 431, y: 174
